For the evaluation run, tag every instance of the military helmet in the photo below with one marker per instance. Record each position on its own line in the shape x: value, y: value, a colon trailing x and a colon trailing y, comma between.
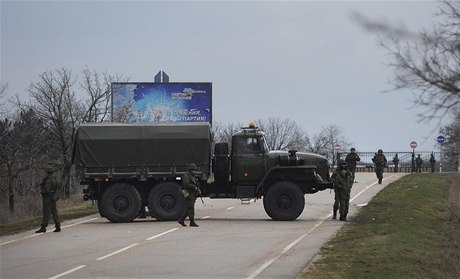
x: 192, y: 166
x: 49, y: 169
x: 341, y: 162
x: 380, y: 151
x: 352, y: 149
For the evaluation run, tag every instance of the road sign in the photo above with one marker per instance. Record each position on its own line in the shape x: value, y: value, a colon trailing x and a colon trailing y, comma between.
x: 441, y: 139
x: 337, y: 147
x: 413, y: 144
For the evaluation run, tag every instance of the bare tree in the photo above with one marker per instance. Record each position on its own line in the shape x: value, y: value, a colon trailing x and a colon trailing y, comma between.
x: 223, y: 132
x: 3, y: 93
x: 98, y: 91
x: 23, y: 144
x: 54, y: 101
x: 283, y: 134
x: 427, y: 63
x: 451, y: 148
x: 323, y: 142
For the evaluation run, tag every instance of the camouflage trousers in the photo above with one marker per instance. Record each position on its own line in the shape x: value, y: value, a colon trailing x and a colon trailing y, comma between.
x: 49, y: 209
x: 379, y: 173
x: 341, y: 200
x: 189, y: 208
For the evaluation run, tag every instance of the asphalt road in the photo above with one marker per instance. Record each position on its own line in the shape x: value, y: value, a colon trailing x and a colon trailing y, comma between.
x: 234, y: 240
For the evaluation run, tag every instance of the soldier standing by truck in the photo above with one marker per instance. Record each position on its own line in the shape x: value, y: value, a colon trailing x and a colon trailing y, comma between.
x: 380, y: 162
x: 48, y: 188
x: 189, y: 191
x: 343, y: 181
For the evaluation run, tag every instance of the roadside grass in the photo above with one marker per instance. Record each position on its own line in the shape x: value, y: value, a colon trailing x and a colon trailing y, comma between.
x: 409, y: 230
x: 67, y: 211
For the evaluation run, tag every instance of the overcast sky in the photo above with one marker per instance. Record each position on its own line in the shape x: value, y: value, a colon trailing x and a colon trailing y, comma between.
x: 308, y: 61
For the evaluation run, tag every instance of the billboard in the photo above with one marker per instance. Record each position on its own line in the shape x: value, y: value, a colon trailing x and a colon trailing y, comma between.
x: 162, y: 102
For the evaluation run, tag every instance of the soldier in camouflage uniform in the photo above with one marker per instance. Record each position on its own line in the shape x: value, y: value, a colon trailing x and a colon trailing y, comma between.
x: 48, y: 187
x: 351, y: 159
x: 343, y: 181
x: 380, y: 162
x: 189, y: 191
x: 419, y: 162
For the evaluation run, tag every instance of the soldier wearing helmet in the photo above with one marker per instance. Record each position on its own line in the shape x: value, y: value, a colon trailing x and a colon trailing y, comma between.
x: 343, y: 181
x: 48, y: 189
x: 190, y: 189
x: 380, y: 162
x: 351, y: 159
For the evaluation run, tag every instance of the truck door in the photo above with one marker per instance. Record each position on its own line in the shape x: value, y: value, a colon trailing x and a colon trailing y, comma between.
x: 248, y: 160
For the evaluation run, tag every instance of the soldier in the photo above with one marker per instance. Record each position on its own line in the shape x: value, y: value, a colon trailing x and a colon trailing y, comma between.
x: 380, y: 162
x: 432, y: 161
x: 396, y: 162
x: 343, y: 181
x: 48, y: 187
x: 351, y: 159
x: 419, y: 163
x: 189, y: 191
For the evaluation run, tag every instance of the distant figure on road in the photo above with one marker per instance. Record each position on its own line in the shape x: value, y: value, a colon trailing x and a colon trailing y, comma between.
x: 419, y: 163
x: 380, y: 162
x: 343, y: 181
x: 351, y: 159
x: 396, y: 162
x: 432, y: 161
x: 190, y: 191
x: 48, y: 187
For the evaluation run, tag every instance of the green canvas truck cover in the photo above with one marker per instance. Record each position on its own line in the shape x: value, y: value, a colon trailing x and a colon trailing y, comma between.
x: 149, y: 145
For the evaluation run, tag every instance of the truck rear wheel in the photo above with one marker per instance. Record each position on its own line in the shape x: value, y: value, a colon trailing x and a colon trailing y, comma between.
x: 166, y: 202
x: 284, y: 201
x: 120, y: 203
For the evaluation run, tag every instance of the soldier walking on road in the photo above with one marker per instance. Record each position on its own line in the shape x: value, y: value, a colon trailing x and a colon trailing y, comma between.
x: 351, y: 159
x: 396, y: 162
x: 343, y: 181
x: 380, y: 162
x: 48, y: 187
x: 432, y: 161
x: 190, y: 191
x: 419, y: 163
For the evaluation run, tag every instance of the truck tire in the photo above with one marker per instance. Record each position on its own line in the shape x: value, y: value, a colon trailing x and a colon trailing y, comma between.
x: 166, y: 202
x: 284, y: 201
x: 221, y: 148
x: 221, y: 168
x: 121, y: 203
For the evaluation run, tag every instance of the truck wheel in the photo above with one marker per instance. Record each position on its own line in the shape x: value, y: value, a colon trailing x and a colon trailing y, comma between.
x: 221, y: 148
x: 166, y: 202
x: 284, y: 201
x: 121, y: 203
x: 221, y: 168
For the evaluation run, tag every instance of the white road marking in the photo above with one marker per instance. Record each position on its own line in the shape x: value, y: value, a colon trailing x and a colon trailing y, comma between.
x: 68, y: 272
x: 117, y: 252
x: 229, y: 208
x: 38, y: 234
x: 206, y: 217
x: 292, y: 244
x: 161, y: 234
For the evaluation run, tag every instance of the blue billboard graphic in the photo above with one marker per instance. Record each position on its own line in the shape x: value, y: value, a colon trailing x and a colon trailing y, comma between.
x: 162, y: 102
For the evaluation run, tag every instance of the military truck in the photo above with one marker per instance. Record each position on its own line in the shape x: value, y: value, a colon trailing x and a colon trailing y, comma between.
x: 128, y: 167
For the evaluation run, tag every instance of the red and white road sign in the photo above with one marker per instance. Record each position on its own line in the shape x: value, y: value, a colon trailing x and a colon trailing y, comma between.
x: 337, y: 147
x: 413, y: 144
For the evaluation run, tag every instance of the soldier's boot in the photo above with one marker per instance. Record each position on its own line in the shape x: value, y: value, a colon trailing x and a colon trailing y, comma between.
x: 334, y: 214
x: 192, y: 223
x: 343, y: 217
x: 380, y: 181
x: 57, y: 228
x: 41, y: 230
x: 181, y: 221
